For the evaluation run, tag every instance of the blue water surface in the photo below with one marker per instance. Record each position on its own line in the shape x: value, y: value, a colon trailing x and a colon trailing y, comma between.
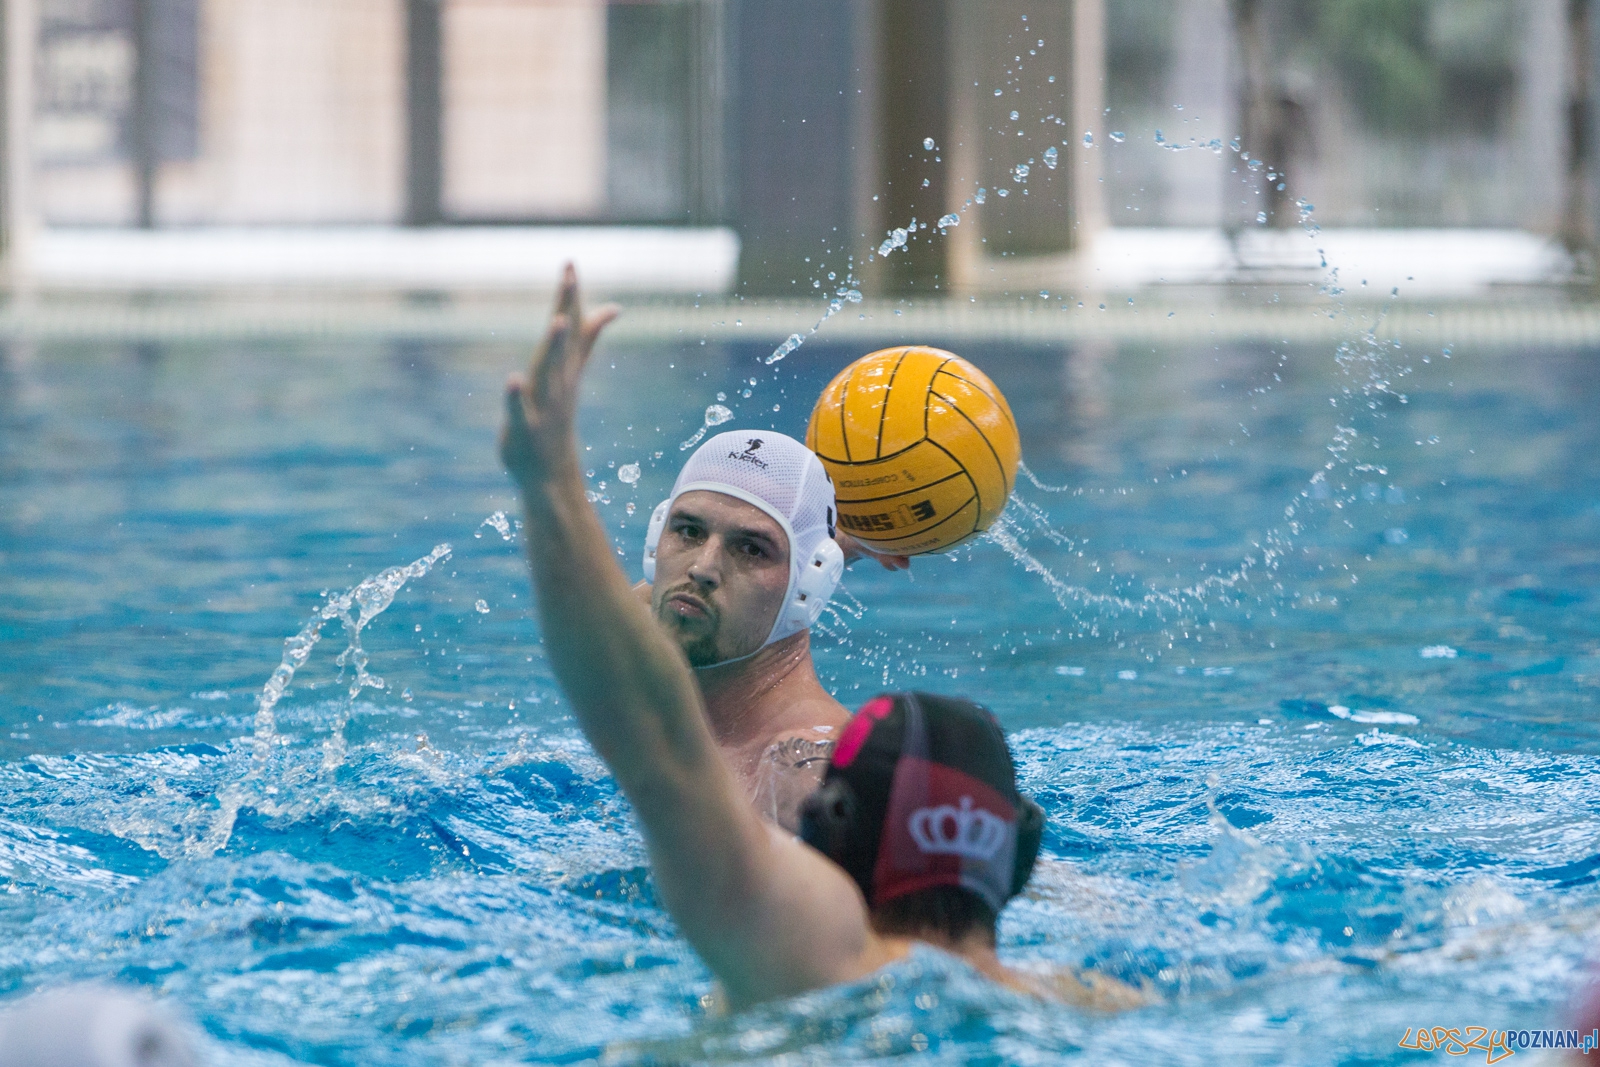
x: 1298, y: 647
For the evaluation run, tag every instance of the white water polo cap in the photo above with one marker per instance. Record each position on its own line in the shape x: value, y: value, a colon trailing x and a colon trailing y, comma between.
x: 786, y: 480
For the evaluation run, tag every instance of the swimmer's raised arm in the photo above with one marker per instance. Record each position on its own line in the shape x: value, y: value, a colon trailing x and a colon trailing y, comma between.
x: 769, y: 915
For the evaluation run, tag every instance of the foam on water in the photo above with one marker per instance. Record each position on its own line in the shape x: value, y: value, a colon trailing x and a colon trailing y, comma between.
x: 1273, y: 889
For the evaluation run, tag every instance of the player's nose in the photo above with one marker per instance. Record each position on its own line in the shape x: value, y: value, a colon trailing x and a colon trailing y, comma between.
x: 705, y: 568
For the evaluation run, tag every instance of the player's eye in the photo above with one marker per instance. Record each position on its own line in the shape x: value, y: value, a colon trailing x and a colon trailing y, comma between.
x: 689, y: 531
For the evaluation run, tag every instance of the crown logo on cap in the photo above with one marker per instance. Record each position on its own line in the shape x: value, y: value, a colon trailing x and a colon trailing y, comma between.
x: 969, y: 832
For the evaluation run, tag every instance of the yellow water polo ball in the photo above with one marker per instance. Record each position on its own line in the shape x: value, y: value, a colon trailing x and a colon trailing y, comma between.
x: 921, y: 446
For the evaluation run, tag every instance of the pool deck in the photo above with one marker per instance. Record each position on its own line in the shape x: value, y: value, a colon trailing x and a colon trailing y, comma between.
x: 1167, y: 319
x: 1167, y: 286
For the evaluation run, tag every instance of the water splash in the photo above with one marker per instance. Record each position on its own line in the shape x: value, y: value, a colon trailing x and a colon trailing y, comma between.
x: 354, y: 608
x: 1037, y: 484
x: 716, y: 415
x: 210, y: 830
x: 499, y: 523
x: 845, y: 294
x: 792, y: 342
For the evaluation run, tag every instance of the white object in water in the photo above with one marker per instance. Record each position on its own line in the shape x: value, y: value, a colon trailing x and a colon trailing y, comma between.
x: 92, y: 1026
x: 1388, y: 717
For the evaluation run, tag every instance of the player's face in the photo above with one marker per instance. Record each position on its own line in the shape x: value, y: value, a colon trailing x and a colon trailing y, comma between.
x: 722, y: 569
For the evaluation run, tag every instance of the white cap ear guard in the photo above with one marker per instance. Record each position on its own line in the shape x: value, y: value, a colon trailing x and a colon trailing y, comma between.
x: 784, y: 479
x: 652, y: 538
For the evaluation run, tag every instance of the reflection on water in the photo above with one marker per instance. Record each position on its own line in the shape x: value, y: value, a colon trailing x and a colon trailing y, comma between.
x: 1280, y: 805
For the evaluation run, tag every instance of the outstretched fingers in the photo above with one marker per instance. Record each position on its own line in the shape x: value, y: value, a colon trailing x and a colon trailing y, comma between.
x: 589, y: 333
x: 550, y: 358
x: 514, y: 433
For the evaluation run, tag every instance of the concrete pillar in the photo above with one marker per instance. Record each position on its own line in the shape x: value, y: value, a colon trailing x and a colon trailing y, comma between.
x: 913, y: 69
x: 424, y: 112
x: 1028, y: 52
x: 795, y: 141
x: 1202, y: 80
x: 1541, y: 120
x: 1026, y: 239
x: 1088, y: 112
x: 18, y: 37
x: 1577, y: 214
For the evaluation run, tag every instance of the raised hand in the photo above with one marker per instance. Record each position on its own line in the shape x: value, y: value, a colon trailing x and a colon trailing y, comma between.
x: 539, y: 438
x: 854, y: 550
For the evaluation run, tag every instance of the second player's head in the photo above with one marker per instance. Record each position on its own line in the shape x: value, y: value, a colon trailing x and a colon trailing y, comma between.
x: 920, y: 807
x: 742, y: 555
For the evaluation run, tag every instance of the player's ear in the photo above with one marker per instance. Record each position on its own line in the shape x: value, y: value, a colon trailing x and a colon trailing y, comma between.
x: 1030, y: 835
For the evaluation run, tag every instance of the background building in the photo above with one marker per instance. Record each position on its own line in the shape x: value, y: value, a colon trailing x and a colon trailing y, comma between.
x: 801, y: 124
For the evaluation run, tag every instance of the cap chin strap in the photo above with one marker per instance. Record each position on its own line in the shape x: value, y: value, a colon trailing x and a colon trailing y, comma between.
x: 810, y: 583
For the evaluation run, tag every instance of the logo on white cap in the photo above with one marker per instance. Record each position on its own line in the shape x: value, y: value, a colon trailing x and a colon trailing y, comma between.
x: 969, y: 832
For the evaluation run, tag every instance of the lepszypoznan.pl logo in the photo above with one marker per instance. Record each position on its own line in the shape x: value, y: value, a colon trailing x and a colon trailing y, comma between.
x: 1495, y: 1045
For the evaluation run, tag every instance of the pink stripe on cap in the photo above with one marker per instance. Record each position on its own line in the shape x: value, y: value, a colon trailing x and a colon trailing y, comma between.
x: 857, y: 729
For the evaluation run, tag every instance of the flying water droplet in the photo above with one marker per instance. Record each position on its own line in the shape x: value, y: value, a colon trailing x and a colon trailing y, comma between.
x: 481, y: 607
x: 1118, y: 136
x: 1014, y: 116
x: 794, y: 342
x: 1088, y: 139
x: 947, y: 221
x: 629, y: 473
x: 1019, y: 173
x: 1050, y: 157
x: 501, y: 524
x: 716, y: 414
x: 980, y: 196
x: 927, y: 143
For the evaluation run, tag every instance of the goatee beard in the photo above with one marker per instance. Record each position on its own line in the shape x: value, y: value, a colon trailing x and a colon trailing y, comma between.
x: 702, y: 651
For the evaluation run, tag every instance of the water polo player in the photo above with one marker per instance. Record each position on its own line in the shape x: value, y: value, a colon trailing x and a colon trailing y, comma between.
x: 919, y: 811
x: 739, y: 561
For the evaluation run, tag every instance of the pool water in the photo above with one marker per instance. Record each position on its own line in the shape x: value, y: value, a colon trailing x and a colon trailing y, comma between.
x: 1320, y: 752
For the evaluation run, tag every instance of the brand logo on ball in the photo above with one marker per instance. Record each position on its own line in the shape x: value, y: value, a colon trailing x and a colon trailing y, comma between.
x: 969, y: 832
x: 748, y: 455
